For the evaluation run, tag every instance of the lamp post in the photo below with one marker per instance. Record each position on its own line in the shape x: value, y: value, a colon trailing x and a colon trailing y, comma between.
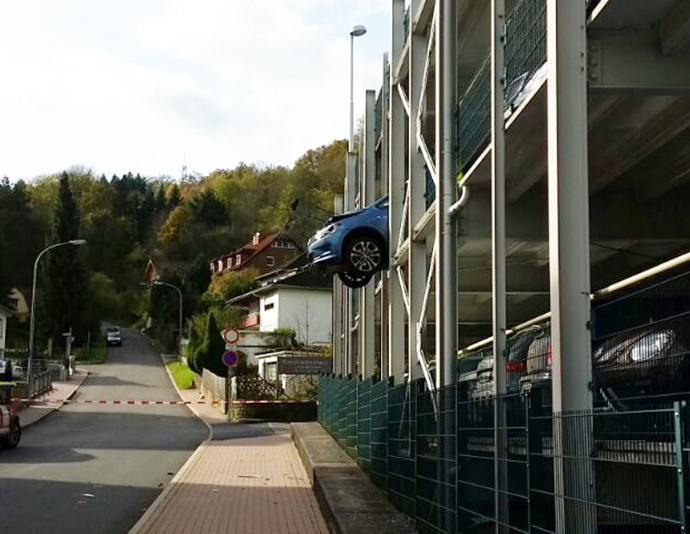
x: 357, y: 31
x: 179, y: 337
x: 32, y: 321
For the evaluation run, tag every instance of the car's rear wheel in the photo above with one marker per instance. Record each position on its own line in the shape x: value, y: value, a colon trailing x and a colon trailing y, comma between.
x: 364, y: 254
x: 354, y: 280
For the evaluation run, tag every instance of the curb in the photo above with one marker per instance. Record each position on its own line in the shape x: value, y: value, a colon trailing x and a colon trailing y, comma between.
x: 155, y: 505
x: 56, y: 408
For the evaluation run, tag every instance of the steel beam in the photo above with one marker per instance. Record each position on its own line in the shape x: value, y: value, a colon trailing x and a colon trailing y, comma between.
x: 417, y: 201
x: 630, y: 61
x: 446, y: 231
x: 367, y: 196
x: 569, y: 258
x: 349, y: 347
x: 385, y: 106
x: 337, y: 307
x: 396, y: 191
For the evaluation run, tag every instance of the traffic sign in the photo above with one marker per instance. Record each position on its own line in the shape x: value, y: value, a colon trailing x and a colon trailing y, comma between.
x: 231, y: 335
x: 230, y: 358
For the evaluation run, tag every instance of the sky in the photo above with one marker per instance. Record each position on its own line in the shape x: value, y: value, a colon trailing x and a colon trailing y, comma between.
x: 144, y: 86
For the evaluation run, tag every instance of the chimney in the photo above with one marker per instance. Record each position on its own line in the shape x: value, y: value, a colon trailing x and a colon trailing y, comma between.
x: 256, y: 239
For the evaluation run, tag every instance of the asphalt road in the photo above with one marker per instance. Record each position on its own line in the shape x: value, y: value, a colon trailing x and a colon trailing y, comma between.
x: 95, y: 469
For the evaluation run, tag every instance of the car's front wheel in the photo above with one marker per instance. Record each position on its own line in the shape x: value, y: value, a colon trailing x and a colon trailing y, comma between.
x: 365, y: 254
x: 354, y: 280
x: 11, y: 440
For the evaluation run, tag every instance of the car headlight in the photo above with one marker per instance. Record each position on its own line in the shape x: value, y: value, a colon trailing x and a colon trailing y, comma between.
x: 326, y: 230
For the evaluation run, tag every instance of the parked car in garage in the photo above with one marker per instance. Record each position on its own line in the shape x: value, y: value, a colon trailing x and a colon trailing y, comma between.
x: 354, y: 245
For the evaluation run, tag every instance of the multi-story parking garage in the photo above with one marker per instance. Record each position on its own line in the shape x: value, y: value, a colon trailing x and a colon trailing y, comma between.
x: 522, y: 364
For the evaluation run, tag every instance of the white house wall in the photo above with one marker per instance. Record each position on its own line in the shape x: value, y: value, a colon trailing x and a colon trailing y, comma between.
x: 306, y: 311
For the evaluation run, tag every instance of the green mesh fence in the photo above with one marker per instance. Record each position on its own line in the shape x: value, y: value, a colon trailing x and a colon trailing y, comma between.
x: 508, y: 462
x: 364, y: 424
x: 436, y: 459
x: 379, y: 434
x: 402, y: 447
x: 350, y: 418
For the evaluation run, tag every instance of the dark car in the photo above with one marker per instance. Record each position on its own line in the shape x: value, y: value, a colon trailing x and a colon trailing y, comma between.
x: 354, y: 245
x: 113, y: 336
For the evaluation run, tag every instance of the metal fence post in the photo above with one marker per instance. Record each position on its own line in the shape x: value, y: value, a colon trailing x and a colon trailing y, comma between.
x: 678, y: 409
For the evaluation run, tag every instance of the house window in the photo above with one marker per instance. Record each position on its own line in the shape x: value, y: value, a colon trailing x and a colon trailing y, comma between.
x: 238, y: 259
x: 269, y: 306
x: 229, y: 262
x: 220, y: 265
x: 270, y: 261
x: 271, y: 371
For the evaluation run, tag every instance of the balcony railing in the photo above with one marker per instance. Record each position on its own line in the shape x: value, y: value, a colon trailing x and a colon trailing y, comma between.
x: 525, y: 53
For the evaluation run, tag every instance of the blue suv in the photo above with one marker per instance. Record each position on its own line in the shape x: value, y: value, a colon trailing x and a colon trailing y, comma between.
x: 354, y: 244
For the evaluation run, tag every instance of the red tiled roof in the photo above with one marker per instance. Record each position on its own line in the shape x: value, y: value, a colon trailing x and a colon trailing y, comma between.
x: 252, y: 249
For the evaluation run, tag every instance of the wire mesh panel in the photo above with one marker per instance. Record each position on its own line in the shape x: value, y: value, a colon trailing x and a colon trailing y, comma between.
x: 620, y: 471
x: 324, y: 402
x: 402, y: 447
x: 364, y: 424
x: 474, y: 118
x: 435, y: 460
x: 350, y: 418
x: 379, y: 434
x: 525, y: 49
x: 341, y: 409
x: 475, y: 465
x: 642, y: 341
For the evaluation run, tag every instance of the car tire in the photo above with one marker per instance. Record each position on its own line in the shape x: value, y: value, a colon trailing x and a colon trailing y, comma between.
x: 11, y: 440
x: 364, y: 254
x: 354, y: 280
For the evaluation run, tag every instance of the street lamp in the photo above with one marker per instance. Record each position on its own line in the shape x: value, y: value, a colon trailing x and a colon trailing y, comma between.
x: 357, y: 31
x: 73, y: 242
x: 179, y: 337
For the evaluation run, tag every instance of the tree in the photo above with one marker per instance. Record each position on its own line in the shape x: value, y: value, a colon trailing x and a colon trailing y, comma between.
x: 174, y: 197
x: 64, y: 278
x: 192, y: 351
x: 211, y: 351
x: 207, y: 209
x: 231, y: 284
x: 4, y: 280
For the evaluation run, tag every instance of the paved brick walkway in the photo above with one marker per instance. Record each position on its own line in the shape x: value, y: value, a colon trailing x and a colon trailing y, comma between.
x: 239, y: 486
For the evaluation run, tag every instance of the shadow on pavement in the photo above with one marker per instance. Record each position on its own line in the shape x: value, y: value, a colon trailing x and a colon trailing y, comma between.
x: 225, y: 431
x: 30, y: 505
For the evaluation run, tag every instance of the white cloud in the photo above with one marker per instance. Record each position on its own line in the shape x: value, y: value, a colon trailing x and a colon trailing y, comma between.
x: 222, y: 80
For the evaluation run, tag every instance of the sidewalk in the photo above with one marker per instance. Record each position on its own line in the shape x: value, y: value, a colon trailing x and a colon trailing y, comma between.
x: 252, y: 484
x: 54, y: 399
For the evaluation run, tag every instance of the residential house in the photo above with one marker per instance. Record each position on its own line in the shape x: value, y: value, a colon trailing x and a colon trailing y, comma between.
x: 6, y: 311
x: 265, y: 253
x: 293, y: 297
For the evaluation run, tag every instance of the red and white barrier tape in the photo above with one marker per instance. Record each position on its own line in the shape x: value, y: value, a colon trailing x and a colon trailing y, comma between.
x: 242, y: 402
x: 120, y: 402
